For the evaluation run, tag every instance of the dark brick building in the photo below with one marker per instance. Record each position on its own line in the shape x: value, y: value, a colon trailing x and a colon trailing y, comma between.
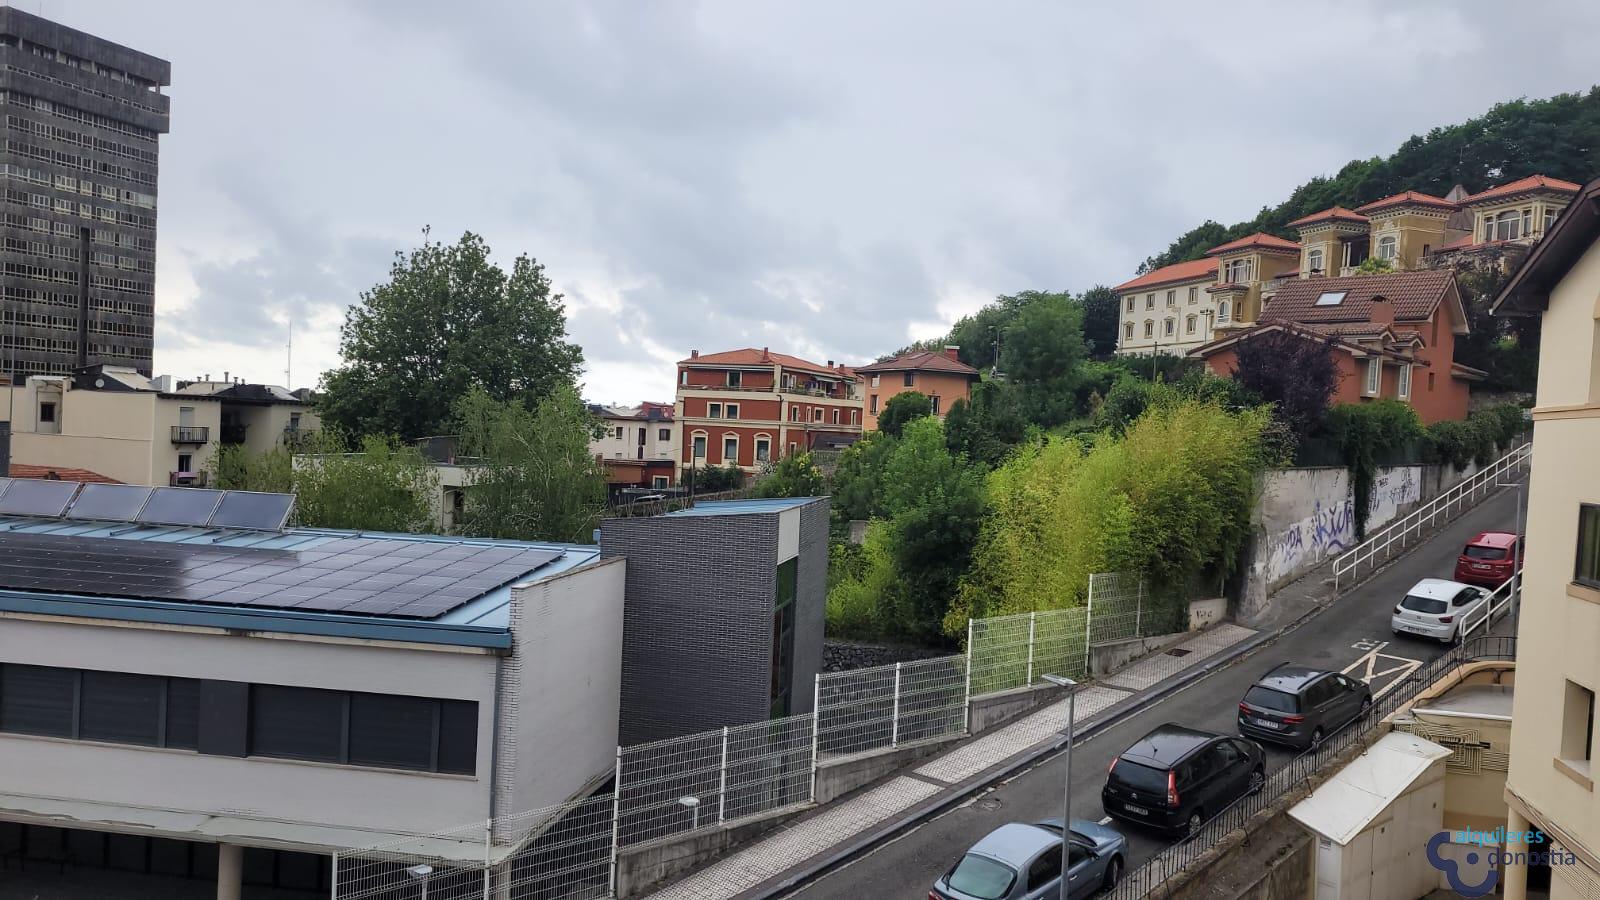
x: 723, y: 614
x: 78, y: 237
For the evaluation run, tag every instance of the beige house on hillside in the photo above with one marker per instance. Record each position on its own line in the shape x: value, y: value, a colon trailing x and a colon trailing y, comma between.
x: 1550, y: 787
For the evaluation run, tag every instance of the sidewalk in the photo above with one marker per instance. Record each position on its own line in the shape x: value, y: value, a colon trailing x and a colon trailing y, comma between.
x: 846, y: 827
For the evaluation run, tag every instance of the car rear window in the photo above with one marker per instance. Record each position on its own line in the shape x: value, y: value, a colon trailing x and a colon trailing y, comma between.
x: 1277, y: 701
x: 1140, y: 778
x: 1424, y: 604
x: 1476, y: 552
x: 981, y: 877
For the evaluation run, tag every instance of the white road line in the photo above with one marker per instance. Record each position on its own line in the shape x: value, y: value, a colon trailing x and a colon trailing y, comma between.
x: 1397, y: 666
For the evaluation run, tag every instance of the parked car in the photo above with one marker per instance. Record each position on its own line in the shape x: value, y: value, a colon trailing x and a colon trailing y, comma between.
x: 1434, y: 608
x: 1175, y: 778
x: 1490, y: 559
x: 1299, y: 706
x: 1017, y: 861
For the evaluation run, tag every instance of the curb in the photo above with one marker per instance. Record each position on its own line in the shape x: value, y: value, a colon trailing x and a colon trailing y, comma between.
x: 959, y: 793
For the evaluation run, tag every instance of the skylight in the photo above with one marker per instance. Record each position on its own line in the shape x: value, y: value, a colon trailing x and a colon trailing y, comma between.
x: 1331, y: 298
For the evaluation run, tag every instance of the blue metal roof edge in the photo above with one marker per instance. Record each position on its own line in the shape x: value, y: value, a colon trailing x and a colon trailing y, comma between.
x: 418, y: 631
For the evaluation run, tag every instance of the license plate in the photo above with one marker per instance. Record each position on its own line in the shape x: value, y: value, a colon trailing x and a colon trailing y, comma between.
x: 1268, y: 723
x: 1480, y: 567
x: 1136, y: 810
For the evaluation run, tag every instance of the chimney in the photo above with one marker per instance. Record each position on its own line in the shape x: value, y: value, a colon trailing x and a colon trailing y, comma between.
x: 225, y: 375
x: 953, y: 352
x: 830, y: 363
x: 1380, y: 311
x: 694, y: 354
x: 766, y: 354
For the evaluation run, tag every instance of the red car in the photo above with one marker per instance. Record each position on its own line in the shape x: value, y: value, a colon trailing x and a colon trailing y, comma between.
x: 1490, y: 559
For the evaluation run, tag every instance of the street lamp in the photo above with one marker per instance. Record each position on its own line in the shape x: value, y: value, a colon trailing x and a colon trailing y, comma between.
x: 422, y: 874
x: 1066, y: 792
x: 693, y: 805
x: 1521, y: 553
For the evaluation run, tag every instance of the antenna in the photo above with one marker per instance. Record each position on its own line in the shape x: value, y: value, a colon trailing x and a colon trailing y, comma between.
x: 288, y: 357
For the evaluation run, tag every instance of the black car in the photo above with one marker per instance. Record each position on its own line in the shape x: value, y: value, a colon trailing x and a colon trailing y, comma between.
x: 1175, y: 778
x: 1298, y: 706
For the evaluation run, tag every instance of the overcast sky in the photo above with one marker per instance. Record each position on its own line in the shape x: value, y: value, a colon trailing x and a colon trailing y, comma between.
x: 830, y: 179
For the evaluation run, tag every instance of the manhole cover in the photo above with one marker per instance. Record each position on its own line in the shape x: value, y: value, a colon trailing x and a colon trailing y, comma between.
x: 1177, y: 651
x: 988, y: 804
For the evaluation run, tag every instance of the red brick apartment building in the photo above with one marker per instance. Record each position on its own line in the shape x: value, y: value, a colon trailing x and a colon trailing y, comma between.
x: 751, y: 406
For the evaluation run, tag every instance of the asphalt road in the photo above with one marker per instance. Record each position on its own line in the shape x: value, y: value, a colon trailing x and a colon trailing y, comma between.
x: 1352, y: 637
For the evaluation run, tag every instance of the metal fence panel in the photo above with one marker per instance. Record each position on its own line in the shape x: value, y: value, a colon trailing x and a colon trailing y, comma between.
x: 1116, y: 604
x: 862, y: 710
x: 1013, y: 651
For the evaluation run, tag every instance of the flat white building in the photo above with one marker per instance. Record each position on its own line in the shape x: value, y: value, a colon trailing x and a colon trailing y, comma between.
x: 178, y: 671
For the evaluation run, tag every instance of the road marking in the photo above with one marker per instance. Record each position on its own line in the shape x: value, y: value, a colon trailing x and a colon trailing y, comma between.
x: 1106, y: 821
x: 1399, y: 667
x: 1367, y: 644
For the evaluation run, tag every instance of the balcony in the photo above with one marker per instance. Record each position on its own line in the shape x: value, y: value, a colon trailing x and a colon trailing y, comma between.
x: 232, y: 434
x: 186, y: 479
x: 191, y: 434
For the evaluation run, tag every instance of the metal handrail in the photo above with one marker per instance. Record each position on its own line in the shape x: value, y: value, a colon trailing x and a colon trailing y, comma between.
x: 1381, y: 546
x: 1498, y: 603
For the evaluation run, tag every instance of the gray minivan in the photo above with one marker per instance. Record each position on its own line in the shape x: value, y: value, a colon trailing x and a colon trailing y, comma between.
x: 1300, y: 706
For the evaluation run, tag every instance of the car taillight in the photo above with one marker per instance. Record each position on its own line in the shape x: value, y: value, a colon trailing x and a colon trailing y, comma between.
x: 1172, y: 788
x: 1398, y: 610
x: 1294, y: 720
x: 1113, y: 767
x: 1446, y: 620
x: 1243, y: 708
x: 934, y: 896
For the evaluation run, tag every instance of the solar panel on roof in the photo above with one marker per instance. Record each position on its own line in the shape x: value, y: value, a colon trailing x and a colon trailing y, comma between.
x: 250, y: 509
x: 37, y: 497
x: 179, y: 506
x: 109, y: 502
x: 325, y: 578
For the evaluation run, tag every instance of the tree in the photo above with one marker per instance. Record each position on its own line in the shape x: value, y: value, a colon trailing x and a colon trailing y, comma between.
x: 1041, y: 354
x: 794, y: 475
x: 716, y: 479
x: 985, y: 427
x: 1374, y: 265
x: 1102, y: 316
x: 383, y: 486
x: 446, y: 322
x: 233, y: 468
x: 1294, y: 372
x: 857, y: 482
x: 535, y: 479
x: 1369, y: 435
x: 902, y: 408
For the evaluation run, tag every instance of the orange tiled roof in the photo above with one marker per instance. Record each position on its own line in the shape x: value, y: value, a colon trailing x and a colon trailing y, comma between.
x: 1332, y: 213
x: 921, y: 361
x: 1193, y: 270
x: 1260, y: 240
x: 1406, y: 198
x: 62, y: 473
x: 749, y: 356
x: 1524, y: 186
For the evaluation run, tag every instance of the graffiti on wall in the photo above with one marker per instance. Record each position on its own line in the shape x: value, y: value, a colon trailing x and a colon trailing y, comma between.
x: 1329, y: 530
x: 1392, y: 489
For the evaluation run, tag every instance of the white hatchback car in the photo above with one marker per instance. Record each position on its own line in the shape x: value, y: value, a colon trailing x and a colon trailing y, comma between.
x: 1434, y: 608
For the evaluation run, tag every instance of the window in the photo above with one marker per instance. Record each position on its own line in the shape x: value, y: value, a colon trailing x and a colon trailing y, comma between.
x: 1127, y: 335
x: 660, y: 481
x: 1588, y: 570
x: 1507, y: 226
x: 875, y: 380
x: 1374, y: 376
x: 37, y: 700
x: 836, y: 415
x: 1189, y: 323
x: 730, y: 449
x: 816, y: 414
x: 713, y: 411
x: 1149, y: 328
x: 1130, y: 303
x: 1577, y: 726
x: 1430, y: 381
x: 1194, y: 295
x: 731, y: 412
x: 911, y: 379
x: 855, y: 417
x: 1149, y: 301
x: 297, y: 723
x: 185, y: 462
x: 663, y: 434
x: 933, y: 402
x: 1223, y: 309
x: 699, y: 446
x: 1527, y: 221
x: 874, y: 399
x: 1550, y: 217
x: 683, y: 377
x: 794, y: 413
x: 1172, y: 298
x: 380, y: 730
x: 1388, y: 247
x: 617, y: 432
x: 783, y: 607
x: 47, y: 412
x: 1404, y: 392
x: 1238, y: 271
x: 763, y: 449
x: 1167, y: 327
x: 1045, y: 869
x: 1314, y: 262
x: 735, y: 379
x: 1331, y: 298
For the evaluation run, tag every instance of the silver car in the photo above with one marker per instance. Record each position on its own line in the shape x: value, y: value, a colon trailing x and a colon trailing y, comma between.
x: 1434, y: 608
x: 1023, y: 862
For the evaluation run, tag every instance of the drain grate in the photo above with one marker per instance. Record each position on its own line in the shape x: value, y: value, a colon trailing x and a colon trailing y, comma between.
x: 1178, y: 651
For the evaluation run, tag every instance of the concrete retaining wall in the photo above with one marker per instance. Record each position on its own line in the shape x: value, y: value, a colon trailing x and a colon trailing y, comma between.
x: 647, y: 865
x: 840, y: 776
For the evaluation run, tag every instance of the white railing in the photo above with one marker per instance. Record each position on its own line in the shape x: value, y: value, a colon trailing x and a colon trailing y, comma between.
x: 1500, y: 602
x: 1384, y: 544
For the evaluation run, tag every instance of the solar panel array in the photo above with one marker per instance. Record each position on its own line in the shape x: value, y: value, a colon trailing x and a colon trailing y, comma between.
x: 175, y: 506
x: 356, y: 575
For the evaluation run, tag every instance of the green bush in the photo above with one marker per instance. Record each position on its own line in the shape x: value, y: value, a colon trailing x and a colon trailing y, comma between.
x: 1480, y: 438
x: 861, y: 582
x: 1367, y: 433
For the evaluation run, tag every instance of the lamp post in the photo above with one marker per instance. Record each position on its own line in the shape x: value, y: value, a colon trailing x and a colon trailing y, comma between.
x: 1517, y: 558
x: 1066, y: 779
x: 422, y: 874
x: 693, y: 805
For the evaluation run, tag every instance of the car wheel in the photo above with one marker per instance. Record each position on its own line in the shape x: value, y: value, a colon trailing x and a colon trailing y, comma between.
x: 1258, y: 780
x: 1316, y: 739
x: 1195, y: 823
x: 1113, y: 874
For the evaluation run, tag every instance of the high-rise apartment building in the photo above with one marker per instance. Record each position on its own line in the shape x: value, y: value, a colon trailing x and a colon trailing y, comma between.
x: 77, y: 265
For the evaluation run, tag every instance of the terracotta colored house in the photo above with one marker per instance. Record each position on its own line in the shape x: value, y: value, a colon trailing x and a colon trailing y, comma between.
x: 1393, y: 337
x: 749, y: 407
x: 940, y: 376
